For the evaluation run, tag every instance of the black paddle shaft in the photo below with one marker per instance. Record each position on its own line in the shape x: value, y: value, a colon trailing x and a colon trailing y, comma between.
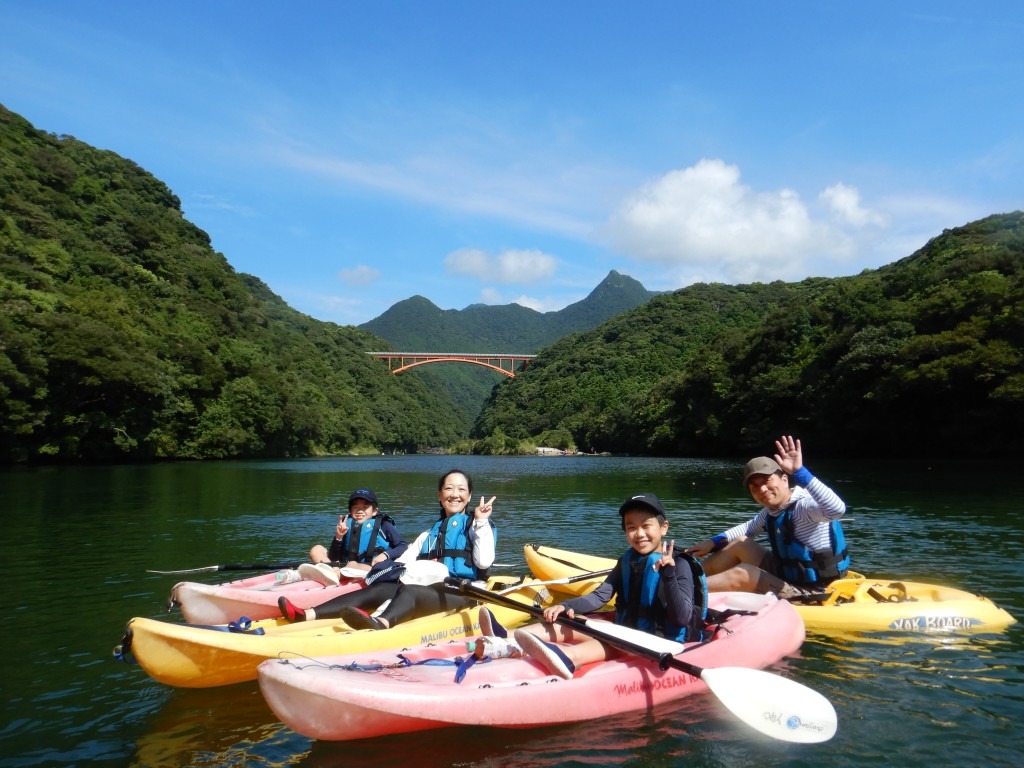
x: 238, y: 567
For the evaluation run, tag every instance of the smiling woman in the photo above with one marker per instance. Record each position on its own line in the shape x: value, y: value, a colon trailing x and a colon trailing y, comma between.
x: 463, y: 542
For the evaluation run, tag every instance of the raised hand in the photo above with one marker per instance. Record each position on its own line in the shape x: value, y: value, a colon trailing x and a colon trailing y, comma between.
x: 790, y: 456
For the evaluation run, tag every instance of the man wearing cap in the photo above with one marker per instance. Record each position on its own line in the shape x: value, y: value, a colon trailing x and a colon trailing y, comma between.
x: 362, y: 538
x: 808, y: 548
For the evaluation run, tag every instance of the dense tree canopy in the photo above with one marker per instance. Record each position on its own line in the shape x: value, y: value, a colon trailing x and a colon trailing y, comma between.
x: 125, y: 336
x: 924, y: 356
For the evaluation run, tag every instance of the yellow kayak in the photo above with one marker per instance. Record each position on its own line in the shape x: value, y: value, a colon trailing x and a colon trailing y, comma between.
x: 856, y: 603
x: 198, y: 656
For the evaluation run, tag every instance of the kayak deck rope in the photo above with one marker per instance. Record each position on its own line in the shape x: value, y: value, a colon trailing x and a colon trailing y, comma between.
x: 353, y: 666
x: 536, y: 548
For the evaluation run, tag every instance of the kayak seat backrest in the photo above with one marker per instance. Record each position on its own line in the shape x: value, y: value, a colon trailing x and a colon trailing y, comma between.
x: 844, y: 590
x: 897, y: 593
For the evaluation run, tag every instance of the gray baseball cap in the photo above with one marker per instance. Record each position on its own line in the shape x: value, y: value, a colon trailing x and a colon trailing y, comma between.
x: 762, y: 465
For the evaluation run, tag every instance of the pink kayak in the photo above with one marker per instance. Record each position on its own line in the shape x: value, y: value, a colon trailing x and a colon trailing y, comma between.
x: 255, y: 597
x: 385, y: 692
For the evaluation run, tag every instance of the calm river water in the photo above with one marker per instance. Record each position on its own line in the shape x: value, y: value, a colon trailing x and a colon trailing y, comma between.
x: 78, y: 542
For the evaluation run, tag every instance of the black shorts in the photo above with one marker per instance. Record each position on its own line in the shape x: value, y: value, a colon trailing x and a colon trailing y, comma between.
x: 771, y: 564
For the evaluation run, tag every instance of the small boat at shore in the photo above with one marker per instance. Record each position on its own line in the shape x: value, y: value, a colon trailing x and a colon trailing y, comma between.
x: 356, y: 696
x: 204, y: 656
x: 854, y: 604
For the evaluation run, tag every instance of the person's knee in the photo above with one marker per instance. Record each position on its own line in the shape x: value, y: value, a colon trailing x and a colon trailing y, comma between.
x: 765, y: 582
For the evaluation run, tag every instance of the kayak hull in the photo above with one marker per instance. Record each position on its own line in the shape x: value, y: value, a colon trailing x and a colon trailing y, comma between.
x: 903, y: 606
x: 254, y: 597
x: 322, y: 700
x: 204, y: 656
x: 857, y: 604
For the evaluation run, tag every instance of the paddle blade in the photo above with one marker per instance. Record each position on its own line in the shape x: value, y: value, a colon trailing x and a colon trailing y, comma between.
x: 204, y: 569
x: 774, y: 705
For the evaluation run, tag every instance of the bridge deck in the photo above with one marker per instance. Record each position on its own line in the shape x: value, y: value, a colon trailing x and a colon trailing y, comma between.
x: 502, y: 362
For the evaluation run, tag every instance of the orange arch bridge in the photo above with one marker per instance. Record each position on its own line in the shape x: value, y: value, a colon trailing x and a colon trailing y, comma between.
x: 501, y: 362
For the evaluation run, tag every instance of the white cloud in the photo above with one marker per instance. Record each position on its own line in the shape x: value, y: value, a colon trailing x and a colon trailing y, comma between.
x: 545, y: 304
x: 844, y: 202
x: 200, y: 201
x: 359, y: 275
x: 532, y: 302
x: 534, y: 196
x: 703, y: 220
x: 491, y: 296
x: 509, y: 266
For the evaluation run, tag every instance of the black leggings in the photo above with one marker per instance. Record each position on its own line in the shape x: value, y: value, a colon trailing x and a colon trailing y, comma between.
x: 368, y: 599
x: 408, y: 601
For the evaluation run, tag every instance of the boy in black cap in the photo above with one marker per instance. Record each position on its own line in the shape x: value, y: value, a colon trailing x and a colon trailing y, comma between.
x: 660, y: 590
x: 808, y: 547
x: 362, y: 538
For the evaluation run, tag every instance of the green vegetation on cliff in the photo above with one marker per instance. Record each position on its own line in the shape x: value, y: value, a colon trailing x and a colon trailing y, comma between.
x: 922, y: 357
x: 124, y: 335
x: 418, y: 325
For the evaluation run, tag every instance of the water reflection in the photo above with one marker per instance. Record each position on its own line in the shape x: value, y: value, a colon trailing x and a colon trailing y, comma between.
x: 213, y: 727
x: 944, y: 699
x: 609, y: 742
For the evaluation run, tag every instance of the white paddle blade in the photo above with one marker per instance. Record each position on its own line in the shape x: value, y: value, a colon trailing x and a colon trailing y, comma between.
x: 654, y: 643
x: 776, y: 706
x: 204, y: 569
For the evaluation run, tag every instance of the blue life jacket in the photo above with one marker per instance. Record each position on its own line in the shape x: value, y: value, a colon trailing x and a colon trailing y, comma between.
x: 363, y: 541
x: 801, y: 565
x: 642, y: 604
x: 448, y: 541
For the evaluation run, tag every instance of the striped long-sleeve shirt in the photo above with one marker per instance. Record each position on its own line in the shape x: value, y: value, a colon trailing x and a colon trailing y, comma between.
x: 814, y: 507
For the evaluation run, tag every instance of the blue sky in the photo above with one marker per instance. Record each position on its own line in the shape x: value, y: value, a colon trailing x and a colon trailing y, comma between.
x: 355, y: 154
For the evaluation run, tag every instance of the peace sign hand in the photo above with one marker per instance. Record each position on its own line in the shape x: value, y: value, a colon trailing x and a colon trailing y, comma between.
x: 667, y: 558
x: 484, y: 508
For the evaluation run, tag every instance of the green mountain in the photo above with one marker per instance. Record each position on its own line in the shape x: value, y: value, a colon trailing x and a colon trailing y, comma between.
x: 124, y: 336
x: 922, y: 357
x: 418, y: 325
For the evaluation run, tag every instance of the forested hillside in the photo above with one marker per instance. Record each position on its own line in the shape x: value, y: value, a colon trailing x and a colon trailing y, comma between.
x: 125, y: 336
x: 418, y: 325
x: 922, y: 357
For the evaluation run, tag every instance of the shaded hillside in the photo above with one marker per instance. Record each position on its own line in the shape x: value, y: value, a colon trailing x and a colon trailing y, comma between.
x: 921, y: 357
x: 418, y: 325
x: 125, y: 336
